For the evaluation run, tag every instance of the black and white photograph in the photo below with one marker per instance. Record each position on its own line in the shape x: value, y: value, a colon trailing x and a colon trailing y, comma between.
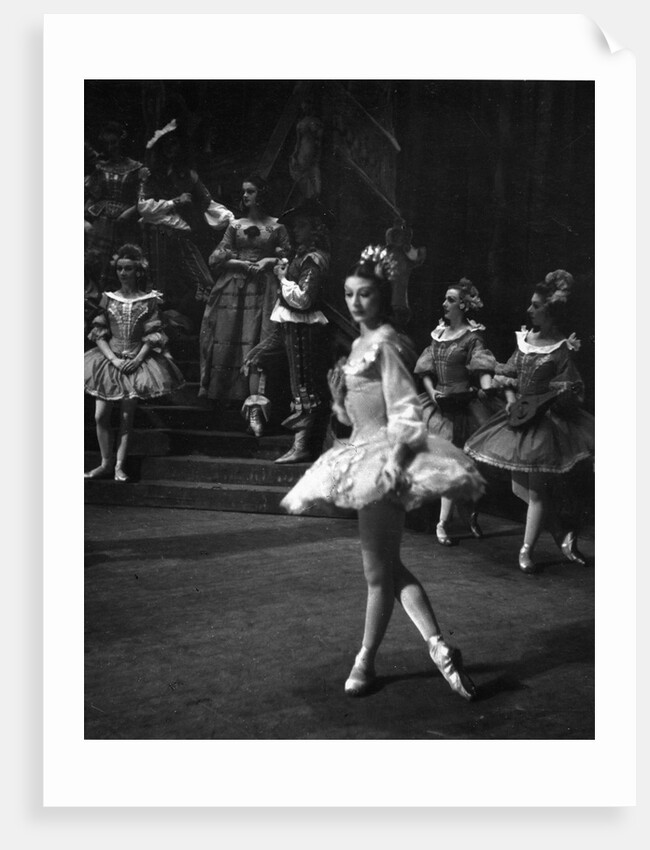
x: 339, y: 341
x: 339, y: 358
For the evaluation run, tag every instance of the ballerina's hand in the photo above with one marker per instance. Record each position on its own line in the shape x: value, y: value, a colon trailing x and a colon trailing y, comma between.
x: 336, y: 382
x: 394, y: 475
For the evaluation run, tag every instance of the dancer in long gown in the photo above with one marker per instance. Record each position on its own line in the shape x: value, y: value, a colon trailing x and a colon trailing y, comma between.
x: 238, y: 311
x: 456, y: 370
x: 129, y: 360
x: 540, y: 376
x: 388, y: 466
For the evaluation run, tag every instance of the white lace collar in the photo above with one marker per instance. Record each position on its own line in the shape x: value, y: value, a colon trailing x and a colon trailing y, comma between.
x: 471, y: 327
x: 571, y: 342
x: 117, y: 297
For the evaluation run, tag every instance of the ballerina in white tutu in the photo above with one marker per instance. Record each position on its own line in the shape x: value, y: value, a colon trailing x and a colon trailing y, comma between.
x: 129, y: 361
x: 388, y: 465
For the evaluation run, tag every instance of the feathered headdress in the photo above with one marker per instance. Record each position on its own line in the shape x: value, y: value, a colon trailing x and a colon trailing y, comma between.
x: 157, y: 136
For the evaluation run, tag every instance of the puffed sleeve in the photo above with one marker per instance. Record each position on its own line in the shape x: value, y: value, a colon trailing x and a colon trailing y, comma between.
x: 226, y: 249
x: 200, y: 194
x: 153, y: 328
x: 100, y: 328
x: 568, y: 377
x: 403, y: 409
x: 506, y: 374
x: 479, y: 357
x: 303, y: 293
x: 425, y: 364
x: 283, y: 242
x: 152, y: 209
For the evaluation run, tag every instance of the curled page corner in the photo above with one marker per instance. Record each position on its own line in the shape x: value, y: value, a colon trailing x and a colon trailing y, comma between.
x: 604, y: 38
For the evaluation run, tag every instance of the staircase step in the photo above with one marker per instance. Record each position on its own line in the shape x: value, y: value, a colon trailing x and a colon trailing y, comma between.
x: 171, y: 441
x: 197, y: 496
x: 211, y: 470
x: 183, y: 416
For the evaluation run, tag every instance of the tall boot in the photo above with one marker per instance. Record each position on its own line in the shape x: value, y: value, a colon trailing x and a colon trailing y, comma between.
x: 300, y: 451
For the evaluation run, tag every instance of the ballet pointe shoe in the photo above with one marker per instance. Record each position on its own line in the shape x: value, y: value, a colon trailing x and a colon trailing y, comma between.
x: 362, y: 676
x: 569, y: 549
x: 526, y: 563
x: 120, y: 474
x: 104, y: 470
x: 474, y: 527
x: 441, y: 535
x: 450, y: 663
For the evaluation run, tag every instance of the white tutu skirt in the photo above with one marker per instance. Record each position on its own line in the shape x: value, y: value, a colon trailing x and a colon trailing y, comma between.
x: 350, y: 475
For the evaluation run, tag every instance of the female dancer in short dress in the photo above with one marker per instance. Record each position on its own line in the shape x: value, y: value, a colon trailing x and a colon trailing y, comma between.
x: 238, y: 311
x: 388, y: 466
x: 456, y: 370
x: 129, y: 361
x: 541, y: 375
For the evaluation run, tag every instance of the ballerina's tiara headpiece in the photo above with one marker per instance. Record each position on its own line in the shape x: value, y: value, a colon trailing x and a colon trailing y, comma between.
x: 381, y: 257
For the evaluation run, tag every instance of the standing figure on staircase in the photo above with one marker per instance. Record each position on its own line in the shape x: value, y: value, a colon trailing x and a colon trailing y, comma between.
x: 304, y: 163
x: 238, y: 311
x: 300, y: 330
x: 129, y: 360
x: 111, y: 190
x: 175, y: 206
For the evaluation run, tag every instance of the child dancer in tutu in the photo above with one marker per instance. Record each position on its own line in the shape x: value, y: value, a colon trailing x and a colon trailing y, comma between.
x: 540, y: 376
x: 456, y: 370
x: 130, y: 359
x: 388, y: 466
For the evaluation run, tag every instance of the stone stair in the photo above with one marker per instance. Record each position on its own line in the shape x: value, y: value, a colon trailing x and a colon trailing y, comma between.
x: 180, y: 457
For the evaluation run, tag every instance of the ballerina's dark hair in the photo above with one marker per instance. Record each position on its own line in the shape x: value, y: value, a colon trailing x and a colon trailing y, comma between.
x: 374, y: 265
x: 556, y: 290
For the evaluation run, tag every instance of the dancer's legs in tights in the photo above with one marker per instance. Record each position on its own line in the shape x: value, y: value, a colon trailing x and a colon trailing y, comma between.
x: 534, y: 489
x: 446, y: 508
x: 103, y: 426
x: 380, y: 528
x: 127, y: 411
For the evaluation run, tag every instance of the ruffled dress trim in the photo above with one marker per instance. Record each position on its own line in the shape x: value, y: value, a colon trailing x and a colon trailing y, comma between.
x: 156, y: 376
x: 440, y: 328
x: 382, y: 406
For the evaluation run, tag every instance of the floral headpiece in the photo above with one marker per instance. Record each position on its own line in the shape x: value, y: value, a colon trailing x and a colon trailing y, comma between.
x: 468, y: 295
x: 168, y: 128
x: 562, y: 282
x: 386, y: 266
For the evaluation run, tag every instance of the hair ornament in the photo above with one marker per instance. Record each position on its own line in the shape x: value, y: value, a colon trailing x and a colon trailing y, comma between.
x: 468, y: 295
x: 561, y: 282
x: 168, y: 128
x: 386, y: 266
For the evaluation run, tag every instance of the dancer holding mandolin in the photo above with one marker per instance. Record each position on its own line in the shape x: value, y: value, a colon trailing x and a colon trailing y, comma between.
x: 543, y: 432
